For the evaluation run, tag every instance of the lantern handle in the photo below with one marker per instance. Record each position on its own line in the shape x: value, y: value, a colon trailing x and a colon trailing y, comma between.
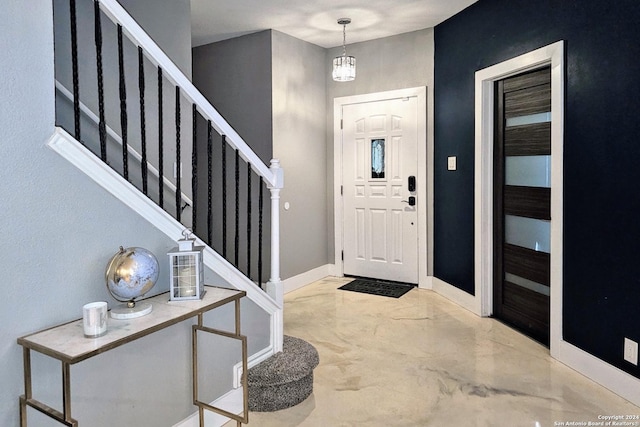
x: 187, y: 232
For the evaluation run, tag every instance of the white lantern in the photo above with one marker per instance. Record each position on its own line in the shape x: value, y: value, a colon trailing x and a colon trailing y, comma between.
x: 186, y: 270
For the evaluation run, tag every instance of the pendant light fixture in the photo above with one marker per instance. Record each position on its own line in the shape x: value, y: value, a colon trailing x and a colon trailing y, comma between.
x: 344, y: 67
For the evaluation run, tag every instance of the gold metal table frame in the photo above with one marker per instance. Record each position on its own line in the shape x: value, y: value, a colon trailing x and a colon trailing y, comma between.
x: 78, y: 348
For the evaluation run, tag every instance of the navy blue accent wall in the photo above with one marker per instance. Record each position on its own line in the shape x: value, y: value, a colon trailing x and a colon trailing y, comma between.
x: 601, y: 153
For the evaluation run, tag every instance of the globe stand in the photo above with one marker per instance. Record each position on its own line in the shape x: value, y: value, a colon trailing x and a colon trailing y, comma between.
x: 130, y: 274
x: 131, y: 310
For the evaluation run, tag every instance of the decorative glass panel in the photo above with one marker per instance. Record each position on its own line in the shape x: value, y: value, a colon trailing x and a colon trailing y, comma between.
x: 377, y: 158
x: 530, y: 171
x: 184, y: 275
x: 526, y: 283
x: 527, y: 232
x: 529, y: 120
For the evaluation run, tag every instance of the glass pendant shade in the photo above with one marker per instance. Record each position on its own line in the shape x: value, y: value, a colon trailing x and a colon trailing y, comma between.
x: 344, y: 68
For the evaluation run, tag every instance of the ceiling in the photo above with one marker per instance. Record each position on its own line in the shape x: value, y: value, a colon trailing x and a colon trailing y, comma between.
x: 316, y: 21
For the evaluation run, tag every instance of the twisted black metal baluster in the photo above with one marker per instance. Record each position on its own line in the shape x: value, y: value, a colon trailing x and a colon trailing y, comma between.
x: 143, y: 123
x: 102, y: 127
x: 194, y: 170
x: 160, y: 144
x: 209, y: 183
x: 249, y: 220
x: 74, y: 68
x: 224, y: 196
x: 123, y: 107
x: 260, y: 210
x: 237, y: 224
x: 178, y: 168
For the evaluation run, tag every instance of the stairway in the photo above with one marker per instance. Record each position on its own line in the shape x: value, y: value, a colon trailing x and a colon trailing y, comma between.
x: 139, y: 128
x: 285, y: 379
x: 138, y: 142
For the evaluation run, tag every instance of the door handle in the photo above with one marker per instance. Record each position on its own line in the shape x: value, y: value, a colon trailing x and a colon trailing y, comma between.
x: 411, y: 201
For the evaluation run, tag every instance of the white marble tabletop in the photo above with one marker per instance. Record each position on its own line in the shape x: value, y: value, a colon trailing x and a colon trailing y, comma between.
x: 67, y: 342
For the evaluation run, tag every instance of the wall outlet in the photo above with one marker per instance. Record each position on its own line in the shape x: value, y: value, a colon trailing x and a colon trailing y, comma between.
x: 631, y: 351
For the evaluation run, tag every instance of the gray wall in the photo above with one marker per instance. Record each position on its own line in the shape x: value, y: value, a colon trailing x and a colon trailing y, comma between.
x: 235, y: 76
x: 390, y: 63
x: 59, y: 230
x: 277, y: 104
x: 299, y: 112
x: 299, y: 137
x: 168, y: 22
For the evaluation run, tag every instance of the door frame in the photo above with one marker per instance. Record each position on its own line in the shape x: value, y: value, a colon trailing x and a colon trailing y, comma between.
x: 423, y: 183
x: 585, y: 363
x: 552, y: 55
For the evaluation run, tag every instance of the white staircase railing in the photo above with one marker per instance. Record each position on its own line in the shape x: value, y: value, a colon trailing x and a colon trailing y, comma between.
x: 137, y: 35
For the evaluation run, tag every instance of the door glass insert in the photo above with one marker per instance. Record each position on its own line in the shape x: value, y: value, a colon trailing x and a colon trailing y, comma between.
x: 530, y: 171
x: 526, y: 283
x: 529, y: 119
x: 528, y: 233
x: 377, y: 158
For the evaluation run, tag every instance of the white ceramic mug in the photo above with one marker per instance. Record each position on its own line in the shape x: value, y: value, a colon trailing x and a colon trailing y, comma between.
x: 94, y: 319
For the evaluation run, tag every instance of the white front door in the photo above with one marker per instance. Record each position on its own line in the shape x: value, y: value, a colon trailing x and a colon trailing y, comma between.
x: 380, y: 210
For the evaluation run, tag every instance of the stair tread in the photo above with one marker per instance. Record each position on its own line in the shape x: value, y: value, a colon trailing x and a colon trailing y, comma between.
x: 297, y: 360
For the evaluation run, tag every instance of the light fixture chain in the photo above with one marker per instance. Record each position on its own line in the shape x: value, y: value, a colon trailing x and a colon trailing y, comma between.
x: 344, y: 39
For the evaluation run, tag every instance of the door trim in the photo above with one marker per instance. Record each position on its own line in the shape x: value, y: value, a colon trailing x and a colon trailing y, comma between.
x: 484, y: 127
x: 422, y: 193
x: 616, y: 380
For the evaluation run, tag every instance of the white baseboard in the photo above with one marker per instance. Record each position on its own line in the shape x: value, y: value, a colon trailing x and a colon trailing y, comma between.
x: 426, y: 283
x: 232, y: 402
x: 608, y: 376
x: 289, y: 285
x: 456, y: 295
x: 252, y: 361
x: 306, y: 278
x: 335, y: 270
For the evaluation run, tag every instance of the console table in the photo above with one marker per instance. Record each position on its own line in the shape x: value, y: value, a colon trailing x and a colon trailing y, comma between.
x: 67, y: 344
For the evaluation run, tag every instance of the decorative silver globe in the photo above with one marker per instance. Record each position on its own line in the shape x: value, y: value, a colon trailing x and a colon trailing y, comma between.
x: 130, y: 274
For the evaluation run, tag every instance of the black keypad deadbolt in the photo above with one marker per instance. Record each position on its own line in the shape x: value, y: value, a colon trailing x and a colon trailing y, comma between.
x: 412, y: 183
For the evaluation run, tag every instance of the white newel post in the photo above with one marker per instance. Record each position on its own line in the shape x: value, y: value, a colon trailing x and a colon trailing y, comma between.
x: 275, y: 288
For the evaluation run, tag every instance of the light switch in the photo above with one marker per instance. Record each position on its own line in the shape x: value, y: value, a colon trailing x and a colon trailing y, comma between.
x: 451, y: 163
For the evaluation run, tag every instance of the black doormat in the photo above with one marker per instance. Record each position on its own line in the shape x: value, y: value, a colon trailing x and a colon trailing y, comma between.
x: 375, y: 287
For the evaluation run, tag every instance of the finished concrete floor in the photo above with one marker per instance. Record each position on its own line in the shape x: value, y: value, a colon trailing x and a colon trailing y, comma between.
x: 421, y: 360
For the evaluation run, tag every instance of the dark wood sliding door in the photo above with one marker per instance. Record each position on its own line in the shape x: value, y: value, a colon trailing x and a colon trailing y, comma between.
x: 522, y: 202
